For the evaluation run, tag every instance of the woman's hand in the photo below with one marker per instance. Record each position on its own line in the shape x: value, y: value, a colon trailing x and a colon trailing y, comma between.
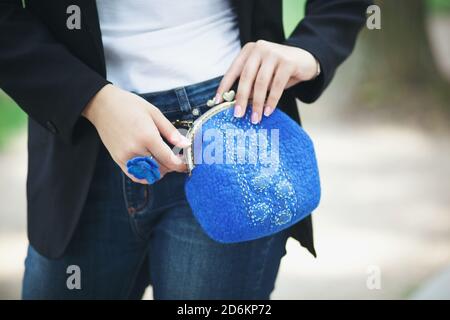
x: 129, y: 126
x: 266, y: 69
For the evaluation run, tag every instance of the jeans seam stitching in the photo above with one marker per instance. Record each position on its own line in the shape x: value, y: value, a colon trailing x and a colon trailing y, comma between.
x: 183, y: 99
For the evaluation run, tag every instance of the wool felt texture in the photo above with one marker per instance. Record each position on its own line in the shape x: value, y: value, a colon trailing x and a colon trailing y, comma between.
x: 245, y: 184
x: 144, y: 168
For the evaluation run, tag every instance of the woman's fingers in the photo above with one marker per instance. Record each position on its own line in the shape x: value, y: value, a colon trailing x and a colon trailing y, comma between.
x: 167, y: 129
x: 246, y: 82
x: 266, y: 66
x: 261, y: 86
x: 168, y: 160
x: 279, y: 81
x: 163, y: 170
x: 233, y: 73
x: 154, y: 145
x: 164, y: 155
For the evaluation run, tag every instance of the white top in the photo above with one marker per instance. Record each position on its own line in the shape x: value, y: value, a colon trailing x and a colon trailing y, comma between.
x: 153, y: 45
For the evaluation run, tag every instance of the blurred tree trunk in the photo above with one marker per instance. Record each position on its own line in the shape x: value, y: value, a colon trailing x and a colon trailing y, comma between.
x: 398, y: 58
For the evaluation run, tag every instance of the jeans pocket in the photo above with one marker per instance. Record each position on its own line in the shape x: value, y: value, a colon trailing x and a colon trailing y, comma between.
x: 139, y: 201
x: 137, y: 196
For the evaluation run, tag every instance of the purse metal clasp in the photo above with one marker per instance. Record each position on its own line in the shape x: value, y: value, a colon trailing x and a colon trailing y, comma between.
x: 183, y: 123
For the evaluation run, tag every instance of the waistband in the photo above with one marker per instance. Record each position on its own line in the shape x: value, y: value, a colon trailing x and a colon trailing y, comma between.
x: 187, y: 100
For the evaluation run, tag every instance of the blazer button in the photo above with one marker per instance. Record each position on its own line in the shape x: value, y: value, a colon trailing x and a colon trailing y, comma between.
x: 51, y: 127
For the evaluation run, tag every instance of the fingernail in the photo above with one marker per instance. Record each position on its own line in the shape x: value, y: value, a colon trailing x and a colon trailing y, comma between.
x: 217, y: 98
x: 255, y: 117
x: 268, y: 111
x: 237, y: 111
x: 184, y: 142
x: 179, y: 140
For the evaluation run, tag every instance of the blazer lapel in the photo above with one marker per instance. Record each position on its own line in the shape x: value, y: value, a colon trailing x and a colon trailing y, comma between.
x: 244, y: 12
x: 92, y: 24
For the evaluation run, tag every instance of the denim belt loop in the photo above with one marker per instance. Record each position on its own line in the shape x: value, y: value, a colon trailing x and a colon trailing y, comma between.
x: 183, y: 99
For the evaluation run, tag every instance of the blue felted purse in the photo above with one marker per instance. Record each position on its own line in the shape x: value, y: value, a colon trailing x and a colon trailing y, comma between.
x: 248, y: 181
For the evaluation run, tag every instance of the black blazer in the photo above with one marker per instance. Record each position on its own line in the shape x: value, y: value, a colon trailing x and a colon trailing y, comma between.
x: 52, y: 72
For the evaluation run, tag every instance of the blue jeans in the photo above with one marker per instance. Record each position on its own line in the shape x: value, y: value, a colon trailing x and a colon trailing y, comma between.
x: 132, y: 235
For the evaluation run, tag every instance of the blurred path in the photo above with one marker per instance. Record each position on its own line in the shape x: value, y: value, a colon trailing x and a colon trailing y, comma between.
x: 436, y: 288
x: 13, y: 241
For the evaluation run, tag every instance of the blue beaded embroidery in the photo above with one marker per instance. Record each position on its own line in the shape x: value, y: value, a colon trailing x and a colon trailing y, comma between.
x: 242, y: 200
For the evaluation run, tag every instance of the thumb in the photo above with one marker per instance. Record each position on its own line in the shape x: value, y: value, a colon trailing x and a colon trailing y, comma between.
x: 167, y: 129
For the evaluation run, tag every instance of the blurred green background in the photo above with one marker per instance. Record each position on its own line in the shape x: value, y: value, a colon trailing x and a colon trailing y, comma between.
x: 439, y: 5
x: 12, y: 118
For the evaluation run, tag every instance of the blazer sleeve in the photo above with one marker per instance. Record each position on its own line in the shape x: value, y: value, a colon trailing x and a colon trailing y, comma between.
x: 328, y: 31
x: 49, y: 83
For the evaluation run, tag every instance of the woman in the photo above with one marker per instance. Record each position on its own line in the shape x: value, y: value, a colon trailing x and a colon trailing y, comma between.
x: 101, y: 83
